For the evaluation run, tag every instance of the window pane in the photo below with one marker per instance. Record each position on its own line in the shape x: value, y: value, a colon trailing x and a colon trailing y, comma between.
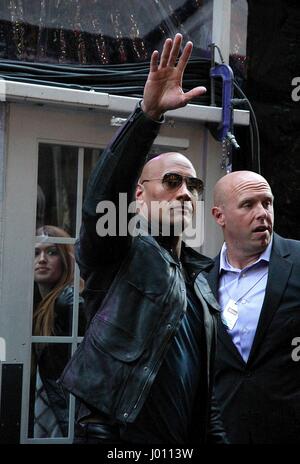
x: 54, y: 292
x: 49, y: 404
x: 57, y: 186
x: 91, y: 156
x: 52, y: 311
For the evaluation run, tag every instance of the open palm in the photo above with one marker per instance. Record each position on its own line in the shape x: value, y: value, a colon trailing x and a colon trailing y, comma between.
x: 163, y: 89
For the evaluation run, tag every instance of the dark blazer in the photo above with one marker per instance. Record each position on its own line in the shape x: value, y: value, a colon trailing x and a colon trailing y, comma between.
x: 260, y: 399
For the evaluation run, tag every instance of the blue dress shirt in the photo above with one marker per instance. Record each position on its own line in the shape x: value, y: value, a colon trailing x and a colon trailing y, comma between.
x: 246, y: 288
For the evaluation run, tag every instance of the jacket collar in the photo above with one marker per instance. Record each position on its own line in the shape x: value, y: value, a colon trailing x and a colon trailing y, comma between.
x: 226, y: 266
x: 192, y: 261
x: 195, y: 263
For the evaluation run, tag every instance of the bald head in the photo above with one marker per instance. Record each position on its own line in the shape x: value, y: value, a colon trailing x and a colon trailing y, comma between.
x: 243, y: 208
x: 165, y: 162
x: 167, y: 204
x: 235, y: 182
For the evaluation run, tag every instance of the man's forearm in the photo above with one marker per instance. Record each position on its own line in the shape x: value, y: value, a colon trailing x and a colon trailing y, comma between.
x: 120, y: 164
x: 116, y: 171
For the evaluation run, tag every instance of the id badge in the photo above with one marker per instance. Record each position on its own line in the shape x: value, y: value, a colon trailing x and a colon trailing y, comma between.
x: 230, y: 314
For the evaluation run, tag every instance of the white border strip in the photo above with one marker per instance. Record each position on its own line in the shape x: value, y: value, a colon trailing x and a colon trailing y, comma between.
x: 42, y: 94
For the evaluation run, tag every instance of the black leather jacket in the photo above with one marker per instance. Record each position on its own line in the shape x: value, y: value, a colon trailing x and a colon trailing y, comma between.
x: 135, y: 295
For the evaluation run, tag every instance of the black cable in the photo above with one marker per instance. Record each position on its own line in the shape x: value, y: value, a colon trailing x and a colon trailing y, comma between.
x: 253, y: 124
x: 126, y: 79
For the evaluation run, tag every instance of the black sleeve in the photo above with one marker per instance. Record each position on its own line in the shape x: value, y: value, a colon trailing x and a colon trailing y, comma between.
x: 116, y: 171
x: 216, y: 432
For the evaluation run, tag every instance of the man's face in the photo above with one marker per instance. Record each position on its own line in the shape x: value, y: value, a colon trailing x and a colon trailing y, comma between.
x: 170, y: 208
x: 247, y: 215
x: 48, y: 266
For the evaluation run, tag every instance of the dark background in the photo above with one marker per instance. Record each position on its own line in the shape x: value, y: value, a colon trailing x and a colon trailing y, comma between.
x: 273, y: 60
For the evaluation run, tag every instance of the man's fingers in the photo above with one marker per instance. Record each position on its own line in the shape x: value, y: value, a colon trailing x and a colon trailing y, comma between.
x: 165, y: 53
x: 154, y: 61
x: 195, y: 92
x: 175, y: 50
x: 170, y: 54
x: 187, y: 51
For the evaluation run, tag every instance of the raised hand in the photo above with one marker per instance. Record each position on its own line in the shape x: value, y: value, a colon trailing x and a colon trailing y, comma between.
x: 163, y: 89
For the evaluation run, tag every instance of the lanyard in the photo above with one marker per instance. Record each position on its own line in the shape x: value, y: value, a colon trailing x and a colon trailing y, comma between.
x: 231, y: 312
x: 246, y: 293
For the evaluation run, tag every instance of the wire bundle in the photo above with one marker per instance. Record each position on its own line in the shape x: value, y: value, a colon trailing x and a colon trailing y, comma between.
x: 128, y: 80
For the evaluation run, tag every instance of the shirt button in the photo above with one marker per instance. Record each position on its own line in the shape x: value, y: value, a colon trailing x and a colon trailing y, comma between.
x: 146, y: 368
x: 169, y: 326
x: 244, y: 301
x: 125, y: 414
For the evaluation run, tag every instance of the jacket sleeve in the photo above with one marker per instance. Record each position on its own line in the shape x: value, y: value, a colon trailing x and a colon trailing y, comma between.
x: 116, y: 172
x: 216, y: 431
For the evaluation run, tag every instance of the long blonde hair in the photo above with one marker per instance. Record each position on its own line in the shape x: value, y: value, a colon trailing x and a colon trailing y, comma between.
x: 43, y: 316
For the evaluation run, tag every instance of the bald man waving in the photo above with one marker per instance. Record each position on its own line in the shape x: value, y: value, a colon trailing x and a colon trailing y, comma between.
x: 144, y: 370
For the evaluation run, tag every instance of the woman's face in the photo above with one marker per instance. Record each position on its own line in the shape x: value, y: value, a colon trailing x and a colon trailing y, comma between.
x: 48, y: 266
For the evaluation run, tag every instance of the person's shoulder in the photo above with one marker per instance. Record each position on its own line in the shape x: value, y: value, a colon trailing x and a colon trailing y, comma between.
x: 287, y: 245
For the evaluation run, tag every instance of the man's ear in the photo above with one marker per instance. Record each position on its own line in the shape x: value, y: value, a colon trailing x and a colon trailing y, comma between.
x: 139, y: 193
x: 218, y: 215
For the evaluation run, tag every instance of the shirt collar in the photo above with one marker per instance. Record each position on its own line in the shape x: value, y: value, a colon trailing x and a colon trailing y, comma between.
x: 226, y: 266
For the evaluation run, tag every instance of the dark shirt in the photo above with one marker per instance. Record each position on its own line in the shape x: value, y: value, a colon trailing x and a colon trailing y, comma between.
x: 167, y: 414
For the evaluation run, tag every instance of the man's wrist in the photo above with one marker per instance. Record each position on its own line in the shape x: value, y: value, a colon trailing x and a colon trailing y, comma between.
x: 154, y: 115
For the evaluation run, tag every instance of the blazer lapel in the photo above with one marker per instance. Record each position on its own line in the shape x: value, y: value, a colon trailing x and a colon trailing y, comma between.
x: 213, y: 280
x: 212, y: 277
x: 279, y: 272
